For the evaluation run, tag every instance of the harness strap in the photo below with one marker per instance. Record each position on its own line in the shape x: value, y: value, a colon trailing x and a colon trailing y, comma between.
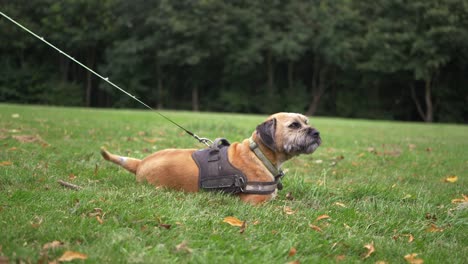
x: 277, y: 173
x: 218, y: 174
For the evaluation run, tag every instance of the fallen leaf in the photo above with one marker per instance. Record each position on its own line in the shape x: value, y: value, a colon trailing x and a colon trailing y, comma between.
x: 316, y: 228
x: 410, y: 237
x: 96, y: 212
x: 292, y: 252
x: 433, y: 228
x: 28, y: 138
x: 183, y: 247
x: 430, y: 216
x: 318, y: 161
x: 150, y: 140
x: 52, y: 245
x: 233, y: 221
x: 370, y: 249
x: 340, y: 258
x: 458, y: 200
x: 288, y: 210
x: 411, y: 258
x: 72, y: 176
x: 294, y: 262
x: 325, y: 216
x: 243, y: 227
x: 5, y: 163
x: 166, y: 226
x: 99, y: 219
x: 340, y: 204
x: 72, y: 255
x: 451, y: 179
x: 289, y: 196
x: 15, y: 116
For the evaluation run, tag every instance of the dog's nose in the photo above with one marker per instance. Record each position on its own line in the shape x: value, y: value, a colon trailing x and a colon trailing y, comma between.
x: 314, y: 133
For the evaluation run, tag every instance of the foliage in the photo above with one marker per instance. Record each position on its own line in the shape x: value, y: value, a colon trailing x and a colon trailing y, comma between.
x: 319, y: 57
x: 379, y: 192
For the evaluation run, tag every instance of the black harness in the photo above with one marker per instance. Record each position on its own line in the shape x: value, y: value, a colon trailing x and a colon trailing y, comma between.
x: 218, y: 174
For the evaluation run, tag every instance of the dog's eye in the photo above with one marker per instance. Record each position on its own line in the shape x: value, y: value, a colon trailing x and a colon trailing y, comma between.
x: 295, y: 125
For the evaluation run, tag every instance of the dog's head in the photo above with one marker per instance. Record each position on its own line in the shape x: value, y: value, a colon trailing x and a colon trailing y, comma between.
x: 289, y: 133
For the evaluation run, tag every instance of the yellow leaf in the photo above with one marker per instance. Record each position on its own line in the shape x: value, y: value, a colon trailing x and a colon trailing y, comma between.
x: 370, y: 249
x: 411, y: 258
x: 316, y: 228
x: 410, y: 237
x: 287, y: 210
x: 340, y: 204
x: 451, y: 179
x: 322, y: 217
x: 458, y: 200
x: 72, y: 255
x: 233, y: 221
x: 150, y: 140
x: 52, y: 245
x: 5, y: 163
x: 433, y: 228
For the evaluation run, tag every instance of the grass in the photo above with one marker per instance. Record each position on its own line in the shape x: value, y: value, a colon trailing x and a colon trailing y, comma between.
x: 379, y: 183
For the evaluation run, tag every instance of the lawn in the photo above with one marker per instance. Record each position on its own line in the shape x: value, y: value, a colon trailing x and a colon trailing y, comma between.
x: 374, y: 192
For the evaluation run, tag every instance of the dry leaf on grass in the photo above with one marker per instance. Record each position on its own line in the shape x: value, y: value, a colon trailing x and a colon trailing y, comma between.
x: 316, y: 228
x: 183, y: 247
x: 459, y: 200
x: 5, y: 163
x: 325, y: 216
x: 72, y: 255
x: 451, y: 179
x: 288, y: 210
x: 52, y: 245
x: 29, y: 139
x: 233, y: 221
x: 411, y: 258
x: 433, y: 228
x: 370, y: 249
x: 292, y: 252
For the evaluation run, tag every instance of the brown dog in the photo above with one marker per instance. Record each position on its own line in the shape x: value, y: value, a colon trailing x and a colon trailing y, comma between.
x: 281, y: 137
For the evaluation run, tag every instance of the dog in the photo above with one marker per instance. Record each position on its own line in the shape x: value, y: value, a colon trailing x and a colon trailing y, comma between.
x: 279, y: 138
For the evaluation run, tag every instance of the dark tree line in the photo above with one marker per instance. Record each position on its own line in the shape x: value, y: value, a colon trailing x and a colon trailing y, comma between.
x: 387, y: 59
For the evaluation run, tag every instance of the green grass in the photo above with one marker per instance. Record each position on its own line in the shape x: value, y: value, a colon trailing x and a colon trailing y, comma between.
x: 379, y: 182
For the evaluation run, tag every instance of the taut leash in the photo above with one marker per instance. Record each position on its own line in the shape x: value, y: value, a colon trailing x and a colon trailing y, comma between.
x: 205, y: 141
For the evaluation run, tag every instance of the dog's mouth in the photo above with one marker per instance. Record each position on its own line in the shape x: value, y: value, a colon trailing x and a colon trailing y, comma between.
x: 306, y: 145
x: 314, y: 144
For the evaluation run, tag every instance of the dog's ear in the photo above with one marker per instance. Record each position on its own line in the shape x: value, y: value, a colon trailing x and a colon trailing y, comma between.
x: 266, y: 131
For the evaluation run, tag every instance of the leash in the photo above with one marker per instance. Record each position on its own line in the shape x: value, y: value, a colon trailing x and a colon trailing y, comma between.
x: 205, y: 141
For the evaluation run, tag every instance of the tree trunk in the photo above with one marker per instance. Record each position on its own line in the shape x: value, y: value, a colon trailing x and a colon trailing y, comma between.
x: 318, y: 86
x: 428, y: 98
x: 428, y: 115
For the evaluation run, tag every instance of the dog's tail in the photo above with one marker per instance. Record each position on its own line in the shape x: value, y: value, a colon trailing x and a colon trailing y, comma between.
x: 129, y: 164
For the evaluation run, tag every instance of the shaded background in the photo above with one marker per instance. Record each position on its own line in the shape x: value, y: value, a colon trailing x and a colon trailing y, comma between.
x: 379, y: 59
